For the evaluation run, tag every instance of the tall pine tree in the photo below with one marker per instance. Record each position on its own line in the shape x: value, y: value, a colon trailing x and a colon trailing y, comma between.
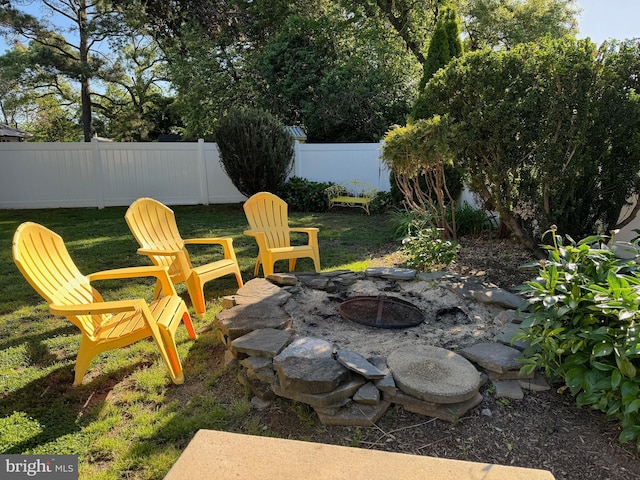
x: 445, y: 44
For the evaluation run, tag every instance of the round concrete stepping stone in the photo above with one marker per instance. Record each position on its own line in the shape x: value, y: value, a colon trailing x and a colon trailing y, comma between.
x: 434, y: 374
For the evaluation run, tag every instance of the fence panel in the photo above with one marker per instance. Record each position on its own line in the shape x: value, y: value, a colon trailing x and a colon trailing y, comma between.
x: 46, y: 175
x: 169, y: 172
x: 342, y: 162
x: 99, y: 174
x: 219, y: 186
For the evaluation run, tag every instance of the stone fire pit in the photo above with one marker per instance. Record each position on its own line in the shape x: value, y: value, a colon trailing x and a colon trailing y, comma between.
x: 288, y: 335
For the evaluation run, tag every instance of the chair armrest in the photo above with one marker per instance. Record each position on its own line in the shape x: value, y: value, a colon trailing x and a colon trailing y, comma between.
x: 159, y: 253
x: 225, y: 242
x: 161, y: 273
x: 117, y: 306
x: 304, y: 229
x: 208, y: 241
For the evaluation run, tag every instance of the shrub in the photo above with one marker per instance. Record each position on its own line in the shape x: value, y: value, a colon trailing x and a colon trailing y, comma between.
x: 582, y: 327
x: 547, y: 132
x: 471, y: 221
x: 256, y: 150
x: 381, y: 203
x: 426, y: 250
x: 304, y: 195
x: 407, y: 223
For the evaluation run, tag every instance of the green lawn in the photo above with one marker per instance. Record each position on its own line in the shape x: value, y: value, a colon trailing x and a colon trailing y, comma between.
x: 128, y: 420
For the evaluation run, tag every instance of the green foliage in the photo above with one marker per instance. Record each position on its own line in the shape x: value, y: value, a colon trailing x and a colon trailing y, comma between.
x: 471, y: 220
x: 304, y: 195
x: 506, y: 23
x: 54, y: 58
x: 582, y: 326
x: 445, y: 44
x: 344, y: 81
x: 407, y: 223
x: 382, y: 202
x: 426, y: 250
x: 417, y: 154
x: 547, y: 132
x: 256, y: 150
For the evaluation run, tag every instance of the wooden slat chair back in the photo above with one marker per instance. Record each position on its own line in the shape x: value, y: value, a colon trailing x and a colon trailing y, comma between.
x: 154, y: 226
x: 268, y: 219
x: 44, y: 261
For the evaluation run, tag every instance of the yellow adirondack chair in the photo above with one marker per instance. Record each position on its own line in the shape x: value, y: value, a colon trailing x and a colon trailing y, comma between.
x: 154, y: 227
x: 43, y: 259
x: 268, y: 220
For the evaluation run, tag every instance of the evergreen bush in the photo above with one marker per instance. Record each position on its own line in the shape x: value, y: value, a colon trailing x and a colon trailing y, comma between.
x: 256, y: 150
x: 304, y: 195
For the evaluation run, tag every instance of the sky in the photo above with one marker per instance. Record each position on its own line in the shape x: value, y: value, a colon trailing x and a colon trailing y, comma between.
x: 600, y: 20
x: 603, y: 20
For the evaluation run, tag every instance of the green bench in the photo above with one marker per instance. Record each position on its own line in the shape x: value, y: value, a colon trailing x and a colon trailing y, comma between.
x: 351, y: 194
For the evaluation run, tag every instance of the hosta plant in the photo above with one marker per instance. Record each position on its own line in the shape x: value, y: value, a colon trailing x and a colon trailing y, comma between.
x: 582, y: 326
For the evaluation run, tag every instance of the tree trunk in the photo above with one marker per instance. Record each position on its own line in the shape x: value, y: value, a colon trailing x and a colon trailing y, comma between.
x: 85, y: 89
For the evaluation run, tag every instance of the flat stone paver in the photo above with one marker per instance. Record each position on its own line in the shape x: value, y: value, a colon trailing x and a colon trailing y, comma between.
x: 434, y: 374
x: 355, y: 415
x: 391, y: 273
x: 493, y: 356
x: 536, y: 384
x: 306, y: 347
x: 368, y: 394
x: 508, y: 389
x: 357, y: 363
x: 242, y: 319
x: 261, y: 290
x: 265, y: 342
x: 506, y: 334
x: 339, y: 396
x: 449, y: 412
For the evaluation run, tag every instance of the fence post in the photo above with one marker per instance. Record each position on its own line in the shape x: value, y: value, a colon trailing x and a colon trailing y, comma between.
x: 381, y: 166
x: 97, y: 162
x: 204, y: 176
x: 296, y: 158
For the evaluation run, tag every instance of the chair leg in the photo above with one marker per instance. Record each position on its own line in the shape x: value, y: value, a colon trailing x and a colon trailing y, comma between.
x: 86, y: 352
x: 195, y: 289
x: 316, y: 261
x: 186, y: 319
x: 267, y: 269
x: 292, y: 264
x: 239, y: 279
x: 256, y: 270
x: 169, y: 353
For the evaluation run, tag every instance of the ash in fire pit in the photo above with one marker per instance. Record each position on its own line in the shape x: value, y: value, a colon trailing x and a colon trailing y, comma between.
x: 315, y: 314
x: 381, y: 311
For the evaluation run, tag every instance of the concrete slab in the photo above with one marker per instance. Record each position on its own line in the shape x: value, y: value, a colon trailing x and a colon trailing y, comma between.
x: 214, y: 454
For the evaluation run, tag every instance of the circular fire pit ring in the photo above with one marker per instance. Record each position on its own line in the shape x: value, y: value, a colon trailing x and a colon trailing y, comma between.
x: 381, y: 312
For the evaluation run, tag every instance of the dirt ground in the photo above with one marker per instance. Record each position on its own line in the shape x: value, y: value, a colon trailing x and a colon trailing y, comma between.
x: 545, y: 430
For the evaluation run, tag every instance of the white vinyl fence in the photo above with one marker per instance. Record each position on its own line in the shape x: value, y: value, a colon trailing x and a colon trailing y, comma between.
x: 103, y: 174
